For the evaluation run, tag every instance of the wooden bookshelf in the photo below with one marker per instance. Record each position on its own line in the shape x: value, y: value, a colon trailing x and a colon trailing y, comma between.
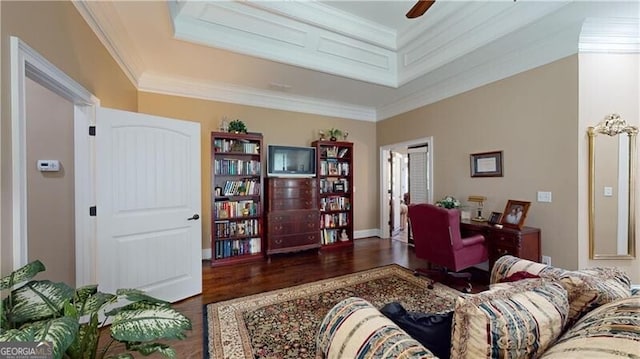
x: 236, y: 205
x: 335, y: 192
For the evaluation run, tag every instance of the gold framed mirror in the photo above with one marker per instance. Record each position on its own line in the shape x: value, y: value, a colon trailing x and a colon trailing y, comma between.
x: 612, y: 163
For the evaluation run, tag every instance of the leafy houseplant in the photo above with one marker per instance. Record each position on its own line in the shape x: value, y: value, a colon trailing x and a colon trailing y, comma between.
x: 40, y: 310
x: 334, y: 133
x: 237, y: 126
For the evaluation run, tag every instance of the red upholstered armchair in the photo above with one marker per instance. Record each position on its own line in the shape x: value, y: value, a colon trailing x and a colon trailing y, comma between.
x: 437, y: 239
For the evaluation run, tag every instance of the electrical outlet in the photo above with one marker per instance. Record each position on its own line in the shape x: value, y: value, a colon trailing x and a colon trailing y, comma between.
x: 546, y: 260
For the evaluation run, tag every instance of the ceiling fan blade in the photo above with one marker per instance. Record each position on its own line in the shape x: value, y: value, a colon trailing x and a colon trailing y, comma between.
x: 420, y: 8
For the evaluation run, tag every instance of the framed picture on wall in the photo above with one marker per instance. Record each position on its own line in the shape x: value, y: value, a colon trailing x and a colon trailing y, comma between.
x: 486, y: 164
x: 514, y: 214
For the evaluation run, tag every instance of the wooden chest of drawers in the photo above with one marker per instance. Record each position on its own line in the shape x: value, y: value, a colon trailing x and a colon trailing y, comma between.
x: 293, y: 216
x: 523, y: 243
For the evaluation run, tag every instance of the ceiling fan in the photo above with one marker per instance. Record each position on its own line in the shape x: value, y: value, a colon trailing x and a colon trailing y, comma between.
x: 420, y: 8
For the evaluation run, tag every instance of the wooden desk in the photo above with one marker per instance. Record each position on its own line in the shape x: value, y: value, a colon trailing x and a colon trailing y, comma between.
x: 523, y: 243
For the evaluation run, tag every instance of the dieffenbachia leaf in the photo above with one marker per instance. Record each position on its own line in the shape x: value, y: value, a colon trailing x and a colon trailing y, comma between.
x: 21, y: 275
x: 39, y: 300
x: 60, y: 331
x: 149, y: 324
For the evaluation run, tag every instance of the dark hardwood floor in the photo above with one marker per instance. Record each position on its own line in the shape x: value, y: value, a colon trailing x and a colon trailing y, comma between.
x: 280, y: 271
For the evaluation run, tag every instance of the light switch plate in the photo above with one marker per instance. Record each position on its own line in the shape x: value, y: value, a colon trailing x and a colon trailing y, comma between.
x: 608, y: 191
x: 544, y: 196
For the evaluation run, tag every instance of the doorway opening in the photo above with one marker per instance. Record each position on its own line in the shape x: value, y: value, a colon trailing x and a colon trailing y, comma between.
x: 28, y: 65
x: 406, y: 173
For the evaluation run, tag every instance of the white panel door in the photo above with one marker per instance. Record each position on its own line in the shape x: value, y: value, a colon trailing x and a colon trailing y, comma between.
x: 148, y: 204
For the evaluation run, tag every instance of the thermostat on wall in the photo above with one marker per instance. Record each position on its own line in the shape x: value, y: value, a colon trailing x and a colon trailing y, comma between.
x: 48, y: 165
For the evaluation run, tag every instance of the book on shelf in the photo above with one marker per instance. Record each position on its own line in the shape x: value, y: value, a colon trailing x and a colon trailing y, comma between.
x: 343, y: 152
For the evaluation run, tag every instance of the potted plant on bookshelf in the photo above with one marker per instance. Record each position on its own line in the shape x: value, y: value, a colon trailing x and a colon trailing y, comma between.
x: 237, y: 126
x: 334, y: 133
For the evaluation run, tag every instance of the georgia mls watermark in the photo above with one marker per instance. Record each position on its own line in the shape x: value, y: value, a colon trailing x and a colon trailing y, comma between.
x: 26, y: 350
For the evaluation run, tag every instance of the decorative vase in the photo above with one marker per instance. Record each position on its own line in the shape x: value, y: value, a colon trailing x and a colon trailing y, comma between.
x: 333, y: 138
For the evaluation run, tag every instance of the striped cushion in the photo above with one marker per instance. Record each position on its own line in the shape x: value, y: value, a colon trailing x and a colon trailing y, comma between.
x: 609, y: 331
x: 590, y: 288
x: 511, y: 320
x: 586, y: 288
x: 507, y: 265
x: 354, y: 328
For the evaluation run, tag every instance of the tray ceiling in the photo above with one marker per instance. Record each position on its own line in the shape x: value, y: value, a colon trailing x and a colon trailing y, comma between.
x: 354, y: 59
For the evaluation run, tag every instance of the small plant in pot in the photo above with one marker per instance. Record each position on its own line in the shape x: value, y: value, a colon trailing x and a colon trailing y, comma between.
x: 237, y: 126
x: 334, y: 133
x: 41, y: 310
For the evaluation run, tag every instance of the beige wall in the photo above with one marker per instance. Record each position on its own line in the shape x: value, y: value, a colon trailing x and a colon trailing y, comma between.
x: 609, y: 83
x: 533, y: 118
x: 58, y: 32
x: 50, y: 195
x: 277, y: 127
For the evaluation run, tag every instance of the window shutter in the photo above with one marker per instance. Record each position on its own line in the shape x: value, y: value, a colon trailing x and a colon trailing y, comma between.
x: 418, y: 174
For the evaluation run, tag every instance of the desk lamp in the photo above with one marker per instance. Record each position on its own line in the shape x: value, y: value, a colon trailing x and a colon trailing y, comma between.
x: 480, y: 202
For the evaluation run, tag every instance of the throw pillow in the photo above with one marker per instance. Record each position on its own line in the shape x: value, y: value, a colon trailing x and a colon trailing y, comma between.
x: 507, y: 265
x: 511, y: 320
x: 432, y: 330
x: 593, y: 287
x: 611, y: 330
x: 354, y: 328
x: 518, y: 276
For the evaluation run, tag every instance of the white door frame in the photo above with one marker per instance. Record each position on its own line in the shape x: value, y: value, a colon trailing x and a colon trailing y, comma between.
x: 384, y: 181
x: 27, y: 63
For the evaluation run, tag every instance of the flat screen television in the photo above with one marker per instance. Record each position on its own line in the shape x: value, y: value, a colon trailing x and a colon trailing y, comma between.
x: 291, y: 161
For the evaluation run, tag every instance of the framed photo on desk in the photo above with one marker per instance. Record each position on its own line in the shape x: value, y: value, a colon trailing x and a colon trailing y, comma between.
x: 514, y: 214
x: 494, y: 218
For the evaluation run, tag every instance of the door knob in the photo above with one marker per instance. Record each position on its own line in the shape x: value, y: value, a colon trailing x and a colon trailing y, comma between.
x: 195, y: 217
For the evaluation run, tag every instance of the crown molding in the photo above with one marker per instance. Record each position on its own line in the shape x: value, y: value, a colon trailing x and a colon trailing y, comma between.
x: 252, y: 31
x: 451, y: 40
x: 104, y: 20
x: 229, y: 93
x: 332, y: 19
x: 491, y: 66
x: 610, y: 35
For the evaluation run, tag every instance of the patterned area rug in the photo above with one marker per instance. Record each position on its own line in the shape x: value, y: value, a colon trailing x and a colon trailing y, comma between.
x: 283, y: 323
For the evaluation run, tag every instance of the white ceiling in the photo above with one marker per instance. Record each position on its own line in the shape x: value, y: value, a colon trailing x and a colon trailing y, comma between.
x: 355, y: 59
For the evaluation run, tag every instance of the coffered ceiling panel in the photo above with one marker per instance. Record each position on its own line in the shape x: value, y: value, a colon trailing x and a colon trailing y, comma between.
x: 356, y: 59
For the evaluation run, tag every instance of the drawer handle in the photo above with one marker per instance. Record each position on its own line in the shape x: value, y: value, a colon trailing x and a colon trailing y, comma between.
x: 278, y: 241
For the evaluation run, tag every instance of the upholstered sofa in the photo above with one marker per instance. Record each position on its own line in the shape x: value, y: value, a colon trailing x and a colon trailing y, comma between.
x: 591, y: 313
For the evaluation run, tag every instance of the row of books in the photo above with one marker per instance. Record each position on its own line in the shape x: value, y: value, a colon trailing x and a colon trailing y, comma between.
x: 224, y: 145
x: 237, y: 167
x: 235, y: 209
x: 334, y: 203
x: 248, y: 227
x: 330, y: 236
x: 334, y: 152
x: 331, y: 185
x: 333, y: 220
x: 330, y: 168
x: 236, y: 247
x: 249, y: 187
